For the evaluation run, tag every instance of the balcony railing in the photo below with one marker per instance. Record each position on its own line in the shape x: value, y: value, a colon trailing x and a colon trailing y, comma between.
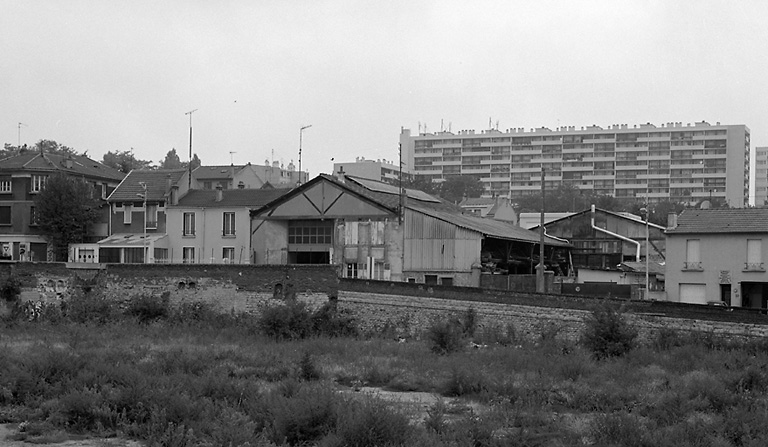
x: 754, y: 267
x: 693, y: 266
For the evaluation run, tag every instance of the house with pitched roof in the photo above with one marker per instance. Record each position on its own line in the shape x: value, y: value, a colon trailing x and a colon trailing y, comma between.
x: 246, y: 176
x: 716, y: 256
x: 370, y: 230
x: 137, y: 219
x: 214, y: 227
x: 22, y: 177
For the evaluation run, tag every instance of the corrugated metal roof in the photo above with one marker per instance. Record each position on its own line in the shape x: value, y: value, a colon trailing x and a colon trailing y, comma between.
x: 732, y: 220
x: 490, y: 227
x: 653, y: 267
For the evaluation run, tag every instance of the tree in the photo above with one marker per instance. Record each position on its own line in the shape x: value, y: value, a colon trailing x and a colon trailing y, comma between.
x: 52, y: 147
x: 172, y: 160
x: 456, y: 187
x: 421, y: 183
x: 65, y: 209
x: 195, y: 162
x: 124, y: 161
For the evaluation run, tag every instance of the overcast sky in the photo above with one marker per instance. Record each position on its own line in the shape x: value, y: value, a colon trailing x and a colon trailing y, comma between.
x: 114, y: 75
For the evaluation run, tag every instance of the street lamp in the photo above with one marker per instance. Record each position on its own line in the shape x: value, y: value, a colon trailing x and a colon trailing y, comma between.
x: 144, y: 196
x: 301, y: 132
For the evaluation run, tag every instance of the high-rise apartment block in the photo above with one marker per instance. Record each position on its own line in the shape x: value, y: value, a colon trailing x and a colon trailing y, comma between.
x: 761, y: 176
x: 685, y: 163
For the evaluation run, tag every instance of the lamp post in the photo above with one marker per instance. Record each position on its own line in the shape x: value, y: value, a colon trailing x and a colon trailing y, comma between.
x: 144, y: 197
x: 301, y: 132
x: 541, y: 286
x: 647, y: 246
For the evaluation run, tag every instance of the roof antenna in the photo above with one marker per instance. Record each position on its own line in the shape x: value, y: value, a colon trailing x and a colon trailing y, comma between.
x: 20, y: 124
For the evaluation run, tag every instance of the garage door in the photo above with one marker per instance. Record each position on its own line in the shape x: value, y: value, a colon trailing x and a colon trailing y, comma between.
x: 693, y: 293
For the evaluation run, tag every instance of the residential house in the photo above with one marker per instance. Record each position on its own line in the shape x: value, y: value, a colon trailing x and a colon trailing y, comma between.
x: 215, y: 226
x: 137, y: 219
x: 22, y: 177
x: 370, y: 230
x: 499, y: 208
x: 716, y: 255
x: 246, y: 176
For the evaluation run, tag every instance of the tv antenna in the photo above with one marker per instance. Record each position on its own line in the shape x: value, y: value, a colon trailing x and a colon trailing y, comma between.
x: 231, y: 159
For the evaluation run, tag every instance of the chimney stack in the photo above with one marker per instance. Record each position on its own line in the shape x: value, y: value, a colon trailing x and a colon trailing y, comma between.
x: 174, y: 195
x: 671, y: 221
x: 219, y: 193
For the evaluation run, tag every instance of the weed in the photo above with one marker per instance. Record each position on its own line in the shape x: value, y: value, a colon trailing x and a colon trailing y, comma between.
x: 435, y: 420
x: 329, y: 321
x: 308, y: 370
x: 10, y: 288
x: 607, y: 333
x: 464, y: 382
x: 618, y: 429
x: 147, y: 308
x: 370, y: 422
x: 289, y: 321
x: 446, y: 336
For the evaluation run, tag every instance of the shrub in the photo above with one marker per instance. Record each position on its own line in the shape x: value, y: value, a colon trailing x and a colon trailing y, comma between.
x: 463, y: 382
x: 617, y: 429
x: 328, y: 320
x: 446, y: 336
x: 147, y: 308
x: 307, y: 369
x: 90, y: 308
x: 469, y: 322
x: 10, y: 289
x: 370, y: 423
x: 289, y: 321
x: 304, y: 417
x: 607, y: 333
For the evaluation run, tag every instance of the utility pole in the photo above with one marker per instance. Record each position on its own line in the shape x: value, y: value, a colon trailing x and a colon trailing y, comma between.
x: 301, y: 131
x: 189, y: 183
x: 19, y: 144
x: 541, y: 287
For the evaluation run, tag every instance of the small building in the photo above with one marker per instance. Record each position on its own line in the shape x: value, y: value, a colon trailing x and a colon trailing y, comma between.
x: 382, y: 170
x: 716, y: 255
x: 604, y: 239
x: 370, y: 230
x: 248, y: 176
x: 499, y: 208
x: 214, y: 227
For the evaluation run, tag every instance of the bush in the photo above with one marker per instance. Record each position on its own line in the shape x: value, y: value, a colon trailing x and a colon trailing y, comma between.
x: 90, y: 308
x: 10, y: 289
x: 371, y: 423
x: 332, y: 322
x: 289, y: 321
x: 147, y: 308
x: 608, y: 334
x: 446, y: 336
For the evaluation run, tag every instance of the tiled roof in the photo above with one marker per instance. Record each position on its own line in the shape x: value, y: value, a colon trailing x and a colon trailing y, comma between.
x: 251, y: 198
x: 732, y: 220
x: 478, y: 201
x: 156, y: 180
x: 34, y: 161
x: 215, y: 172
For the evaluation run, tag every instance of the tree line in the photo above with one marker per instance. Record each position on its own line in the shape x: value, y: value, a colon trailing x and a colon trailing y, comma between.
x: 123, y: 161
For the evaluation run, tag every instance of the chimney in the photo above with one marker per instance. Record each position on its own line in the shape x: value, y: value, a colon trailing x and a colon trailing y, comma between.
x: 68, y: 162
x: 340, y: 174
x: 219, y: 193
x: 671, y: 221
x: 174, y: 195
x: 168, y: 182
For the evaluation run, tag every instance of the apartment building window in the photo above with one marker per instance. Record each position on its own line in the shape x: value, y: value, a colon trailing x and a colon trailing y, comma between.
x: 5, y: 215
x: 352, y: 271
x: 127, y: 213
x: 228, y: 254
x: 189, y: 224
x: 38, y: 182
x: 151, y: 215
x: 188, y: 255
x: 692, y: 255
x: 5, y: 185
x: 754, y: 256
x: 229, y: 224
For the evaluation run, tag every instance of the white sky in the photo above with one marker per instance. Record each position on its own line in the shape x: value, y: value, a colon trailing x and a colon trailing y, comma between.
x: 116, y: 75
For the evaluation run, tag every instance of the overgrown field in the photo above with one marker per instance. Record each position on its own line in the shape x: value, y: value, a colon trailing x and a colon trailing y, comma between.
x: 190, y: 377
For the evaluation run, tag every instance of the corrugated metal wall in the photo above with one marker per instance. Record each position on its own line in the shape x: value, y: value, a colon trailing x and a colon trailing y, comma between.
x: 432, y: 244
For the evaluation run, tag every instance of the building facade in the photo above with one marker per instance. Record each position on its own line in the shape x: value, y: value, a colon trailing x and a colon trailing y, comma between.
x: 761, y: 176
x: 248, y: 176
x: 381, y: 170
x: 716, y: 255
x: 22, y: 177
x: 683, y: 163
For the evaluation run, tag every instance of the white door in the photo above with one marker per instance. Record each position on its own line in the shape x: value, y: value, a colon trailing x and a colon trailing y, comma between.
x: 693, y: 293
